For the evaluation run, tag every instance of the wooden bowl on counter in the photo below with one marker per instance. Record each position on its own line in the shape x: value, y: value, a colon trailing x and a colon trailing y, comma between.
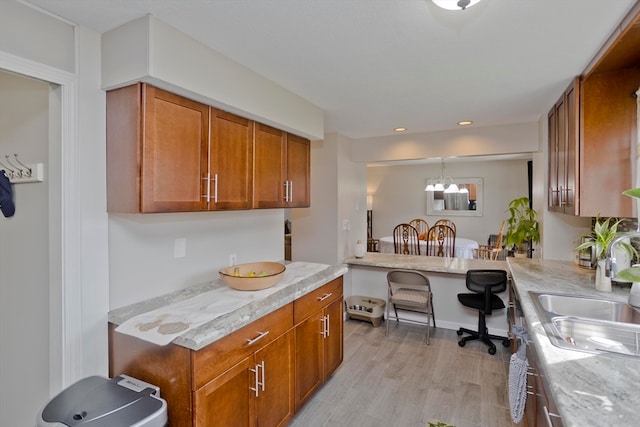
x: 252, y: 276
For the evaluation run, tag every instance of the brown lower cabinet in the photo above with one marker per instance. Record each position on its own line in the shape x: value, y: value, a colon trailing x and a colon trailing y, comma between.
x: 251, y: 376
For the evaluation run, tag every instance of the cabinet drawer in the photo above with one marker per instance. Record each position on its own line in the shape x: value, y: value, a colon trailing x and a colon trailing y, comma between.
x: 221, y: 355
x: 306, y: 305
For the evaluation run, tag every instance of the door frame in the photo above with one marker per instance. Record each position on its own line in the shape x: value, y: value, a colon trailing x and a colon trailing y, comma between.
x: 65, y: 297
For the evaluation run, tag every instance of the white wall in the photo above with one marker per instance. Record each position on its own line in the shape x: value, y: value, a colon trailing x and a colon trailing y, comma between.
x: 399, y: 196
x: 24, y: 255
x: 141, y: 249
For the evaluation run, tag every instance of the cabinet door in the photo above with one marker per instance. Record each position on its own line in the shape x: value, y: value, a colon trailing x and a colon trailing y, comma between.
x: 309, y: 357
x: 269, y: 167
x: 553, y: 198
x: 228, y: 400
x: 173, y: 161
x: 333, y: 342
x: 571, y: 148
x: 230, y: 183
x: 298, y: 171
x: 275, y: 404
x: 561, y: 129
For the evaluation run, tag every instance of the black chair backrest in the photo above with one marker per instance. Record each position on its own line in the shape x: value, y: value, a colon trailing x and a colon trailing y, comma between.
x: 487, y: 282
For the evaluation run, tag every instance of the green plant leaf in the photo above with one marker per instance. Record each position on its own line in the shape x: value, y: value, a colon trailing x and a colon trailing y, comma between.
x: 631, y: 274
x: 633, y: 192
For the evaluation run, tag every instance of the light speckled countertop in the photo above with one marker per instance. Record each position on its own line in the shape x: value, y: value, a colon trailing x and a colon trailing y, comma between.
x: 589, y: 389
x: 424, y: 263
x: 299, y: 279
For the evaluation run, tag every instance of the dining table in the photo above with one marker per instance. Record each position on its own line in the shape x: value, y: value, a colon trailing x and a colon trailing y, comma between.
x: 464, y: 248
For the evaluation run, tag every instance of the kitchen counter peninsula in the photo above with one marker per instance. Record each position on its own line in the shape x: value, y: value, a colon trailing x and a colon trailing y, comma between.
x: 447, y: 277
x: 588, y: 389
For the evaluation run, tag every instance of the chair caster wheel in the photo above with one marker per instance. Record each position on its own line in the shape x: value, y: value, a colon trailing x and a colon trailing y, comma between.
x: 459, y: 332
x: 506, y: 343
x: 492, y: 350
x: 461, y: 343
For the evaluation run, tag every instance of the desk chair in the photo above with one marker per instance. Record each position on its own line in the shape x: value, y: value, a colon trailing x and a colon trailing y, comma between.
x: 484, y: 284
x: 410, y: 290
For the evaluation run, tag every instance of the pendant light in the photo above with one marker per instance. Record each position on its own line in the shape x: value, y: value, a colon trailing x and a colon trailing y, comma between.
x: 441, y: 185
x: 455, y: 4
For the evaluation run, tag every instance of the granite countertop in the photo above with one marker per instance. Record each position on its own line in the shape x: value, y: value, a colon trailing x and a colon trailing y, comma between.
x: 425, y: 263
x: 299, y: 279
x: 589, y: 389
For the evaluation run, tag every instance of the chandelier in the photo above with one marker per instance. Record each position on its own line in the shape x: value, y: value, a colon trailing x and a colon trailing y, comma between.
x: 441, y: 184
x: 455, y: 4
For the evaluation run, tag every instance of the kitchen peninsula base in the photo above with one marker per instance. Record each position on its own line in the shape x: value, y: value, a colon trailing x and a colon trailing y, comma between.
x: 447, y: 278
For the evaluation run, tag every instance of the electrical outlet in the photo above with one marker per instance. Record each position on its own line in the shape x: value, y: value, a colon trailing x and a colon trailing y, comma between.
x: 233, y: 259
x: 180, y: 247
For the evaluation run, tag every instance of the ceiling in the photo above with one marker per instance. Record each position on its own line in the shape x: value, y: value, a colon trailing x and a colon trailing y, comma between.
x: 373, y: 65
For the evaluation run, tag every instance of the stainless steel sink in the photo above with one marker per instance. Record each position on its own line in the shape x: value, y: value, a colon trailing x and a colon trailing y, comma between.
x: 587, y: 307
x: 594, y: 325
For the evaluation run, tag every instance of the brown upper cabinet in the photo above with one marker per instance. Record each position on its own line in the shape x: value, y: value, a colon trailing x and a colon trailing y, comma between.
x: 167, y: 153
x: 593, y: 132
x: 155, y: 154
x: 563, y: 152
x: 281, y: 169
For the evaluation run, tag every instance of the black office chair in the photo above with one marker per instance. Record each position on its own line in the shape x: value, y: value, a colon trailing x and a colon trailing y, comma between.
x: 485, y: 284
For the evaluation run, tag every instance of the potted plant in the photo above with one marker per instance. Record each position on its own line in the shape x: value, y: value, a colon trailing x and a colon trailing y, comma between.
x: 632, y: 274
x: 522, y: 226
x: 602, y: 234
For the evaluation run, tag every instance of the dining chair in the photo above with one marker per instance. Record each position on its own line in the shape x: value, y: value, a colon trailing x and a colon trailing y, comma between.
x: 441, y: 241
x: 410, y: 290
x: 446, y: 222
x: 422, y: 226
x: 495, y: 251
x: 406, y: 240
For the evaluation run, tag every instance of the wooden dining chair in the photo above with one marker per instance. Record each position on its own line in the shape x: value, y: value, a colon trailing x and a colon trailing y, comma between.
x: 495, y: 251
x: 446, y: 222
x: 422, y: 226
x: 441, y: 241
x: 405, y: 240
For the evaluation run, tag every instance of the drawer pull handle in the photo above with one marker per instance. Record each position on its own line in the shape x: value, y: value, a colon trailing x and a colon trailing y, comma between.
x: 259, y: 337
x: 325, y: 296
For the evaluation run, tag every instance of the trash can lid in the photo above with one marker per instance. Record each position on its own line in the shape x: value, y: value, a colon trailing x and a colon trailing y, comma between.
x: 99, y: 402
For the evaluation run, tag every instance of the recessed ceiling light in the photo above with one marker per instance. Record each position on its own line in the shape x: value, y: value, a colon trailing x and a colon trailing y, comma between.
x: 399, y: 129
x: 464, y: 122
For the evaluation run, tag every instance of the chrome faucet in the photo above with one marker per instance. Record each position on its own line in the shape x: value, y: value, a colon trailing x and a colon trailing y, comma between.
x: 611, y: 268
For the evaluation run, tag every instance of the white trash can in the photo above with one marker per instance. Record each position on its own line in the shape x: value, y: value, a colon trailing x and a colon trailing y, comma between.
x: 101, y: 402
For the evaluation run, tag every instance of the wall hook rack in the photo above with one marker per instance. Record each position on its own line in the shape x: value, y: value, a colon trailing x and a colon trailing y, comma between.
x: 19, y: 172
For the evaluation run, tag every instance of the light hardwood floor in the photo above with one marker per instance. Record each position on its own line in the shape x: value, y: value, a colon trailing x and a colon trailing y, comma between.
x: 399, y: 381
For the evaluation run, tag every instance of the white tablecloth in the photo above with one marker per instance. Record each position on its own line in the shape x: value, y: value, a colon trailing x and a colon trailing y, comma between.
x: 464, y: 247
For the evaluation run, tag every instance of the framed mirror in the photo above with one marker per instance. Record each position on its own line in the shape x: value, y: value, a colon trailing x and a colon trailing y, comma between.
x: 467, y: 201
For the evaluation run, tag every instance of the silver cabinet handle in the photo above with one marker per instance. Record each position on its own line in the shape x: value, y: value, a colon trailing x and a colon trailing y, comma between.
x: 324, y: 326
x: 286, y: 191
x: 290, y: 191
x: 258, y: 338
x: 255, y: 372
x: 326, y: 323
x: 548, y: 415
x: 325, y: 296
x: 207, y: 180
x: 215, y: 188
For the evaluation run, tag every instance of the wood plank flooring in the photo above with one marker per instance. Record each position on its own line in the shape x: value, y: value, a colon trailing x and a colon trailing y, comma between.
x: 399, y: 381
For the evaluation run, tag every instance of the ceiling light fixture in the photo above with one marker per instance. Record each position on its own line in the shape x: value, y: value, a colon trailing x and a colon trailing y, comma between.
x: 442, y: 185
x: 399, y: 129
x: 464, y: 122
x: 455, y: 4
